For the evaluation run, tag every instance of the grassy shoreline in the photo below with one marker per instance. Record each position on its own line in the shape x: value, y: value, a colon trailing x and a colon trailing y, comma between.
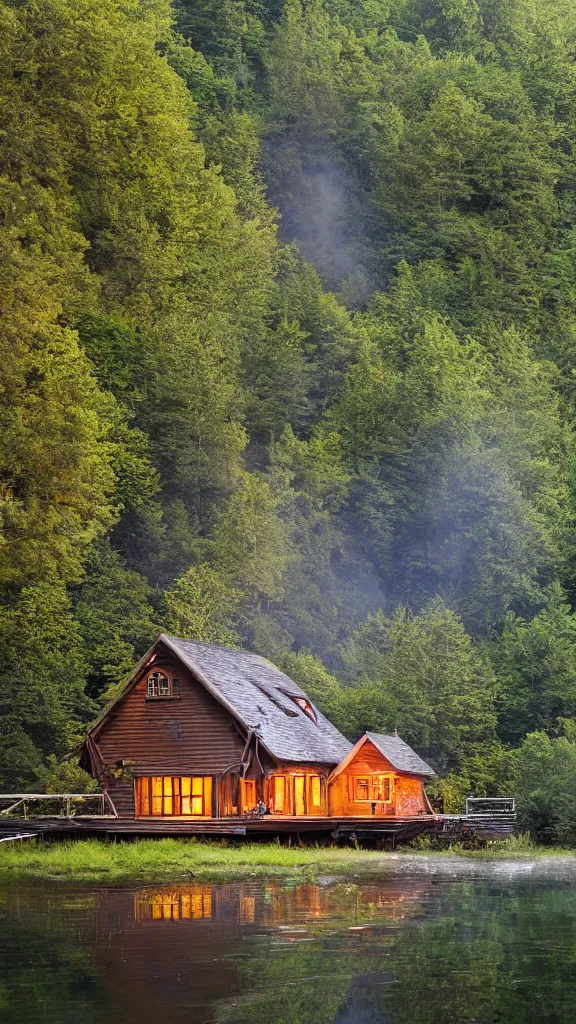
x: 180, y: 860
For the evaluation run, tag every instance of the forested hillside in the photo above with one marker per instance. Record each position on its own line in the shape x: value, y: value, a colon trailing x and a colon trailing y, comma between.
x: 288, y: 299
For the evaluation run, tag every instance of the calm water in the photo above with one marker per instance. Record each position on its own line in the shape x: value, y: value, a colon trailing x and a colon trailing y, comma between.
x: 420, y: 947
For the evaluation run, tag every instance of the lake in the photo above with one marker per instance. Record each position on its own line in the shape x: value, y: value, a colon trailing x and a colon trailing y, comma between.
x: 495, y: 943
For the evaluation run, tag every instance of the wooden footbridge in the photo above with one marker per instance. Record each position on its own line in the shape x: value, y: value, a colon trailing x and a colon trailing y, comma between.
x: 483, y: 822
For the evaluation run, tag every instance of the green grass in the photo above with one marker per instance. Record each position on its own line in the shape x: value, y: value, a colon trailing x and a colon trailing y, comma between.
x: 516, y: 847
x: 97, y: 862
x: 169, y: 860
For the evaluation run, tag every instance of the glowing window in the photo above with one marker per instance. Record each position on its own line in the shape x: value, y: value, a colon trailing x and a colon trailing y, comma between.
x: 248, y: 796
x: 362, y: 789
x: 165, y: 795
x: 279, y: 792
x: 173, y: 906
x: 315, y: 792
x: 247, y: 908
x: 299, y: 794
x: 381, y: 787
x: 159, y: 685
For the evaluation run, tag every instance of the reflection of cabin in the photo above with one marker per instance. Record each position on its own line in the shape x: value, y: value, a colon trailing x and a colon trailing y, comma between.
x: 380, y: 775
x: 207, y: 732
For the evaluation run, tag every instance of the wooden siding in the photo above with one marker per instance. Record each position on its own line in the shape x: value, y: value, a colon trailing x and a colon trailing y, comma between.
x: 369, y: 760
x: 187, y: 735
x: 406, y: 791
x: 410, y: 797
x: 122, y: 795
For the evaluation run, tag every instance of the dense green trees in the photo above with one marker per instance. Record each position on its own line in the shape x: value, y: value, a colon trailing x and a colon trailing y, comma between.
x: 342, y: 432
x: 129, y: 284
x: 544, y: 779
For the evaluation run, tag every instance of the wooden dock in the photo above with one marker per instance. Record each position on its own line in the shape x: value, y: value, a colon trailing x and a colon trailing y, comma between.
x: 370, y: 830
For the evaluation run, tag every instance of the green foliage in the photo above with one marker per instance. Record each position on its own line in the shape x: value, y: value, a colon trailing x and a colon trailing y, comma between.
x: 422, y: 675
x: 545, y: 783
x: 115, y: 617
x: 487, y: 771
x: 201, y: 604
x: 250, y: 540
x: 115, y: 235
x: 373, y: 484
x: 536, y: 669
x: 42, y: 670
x: 67, y: 777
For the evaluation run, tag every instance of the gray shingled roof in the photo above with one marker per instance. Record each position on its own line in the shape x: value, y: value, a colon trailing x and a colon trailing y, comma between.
x: 400, y: 755
x: 257, y: 691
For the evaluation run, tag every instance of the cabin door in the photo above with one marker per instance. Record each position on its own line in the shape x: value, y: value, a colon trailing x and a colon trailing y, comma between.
x: 248, y: 796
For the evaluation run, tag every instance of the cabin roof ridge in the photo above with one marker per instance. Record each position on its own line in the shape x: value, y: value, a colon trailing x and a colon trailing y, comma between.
x: 212, y: 646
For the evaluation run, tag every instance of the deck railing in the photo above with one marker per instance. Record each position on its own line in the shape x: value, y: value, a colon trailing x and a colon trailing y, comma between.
x: 490, y: 805
x: 68, y: 803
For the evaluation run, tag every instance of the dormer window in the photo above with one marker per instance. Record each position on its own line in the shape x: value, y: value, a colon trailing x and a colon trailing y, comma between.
x: 159, y: 684
x: 306, y: 707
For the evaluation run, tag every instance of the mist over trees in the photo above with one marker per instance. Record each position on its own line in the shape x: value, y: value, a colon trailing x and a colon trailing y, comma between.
x: 288, y: 351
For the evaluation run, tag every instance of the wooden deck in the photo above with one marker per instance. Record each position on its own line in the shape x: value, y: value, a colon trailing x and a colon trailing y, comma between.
x: 364, y: 829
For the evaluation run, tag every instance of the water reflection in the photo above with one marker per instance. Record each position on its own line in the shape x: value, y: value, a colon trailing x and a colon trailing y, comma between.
x: 410, y: 950
x: 277, y: 904
x: 180, y: 904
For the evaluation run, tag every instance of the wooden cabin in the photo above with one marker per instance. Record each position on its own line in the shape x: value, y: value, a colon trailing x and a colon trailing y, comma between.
x: 202, y: 731
x: 206, y: 731
x: 380, y: 775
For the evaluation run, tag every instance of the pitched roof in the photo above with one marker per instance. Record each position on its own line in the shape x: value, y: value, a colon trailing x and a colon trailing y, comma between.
x: 258, y: 695
x: 400, y: 755
x: 395, y: 750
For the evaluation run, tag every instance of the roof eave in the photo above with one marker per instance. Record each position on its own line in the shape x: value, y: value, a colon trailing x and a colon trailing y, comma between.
x: 367, y: 738
x: 349, y: 757
x: 429, y: 773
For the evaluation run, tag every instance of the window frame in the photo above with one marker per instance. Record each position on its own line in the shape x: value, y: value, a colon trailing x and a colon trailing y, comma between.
x: 248, y: 795
x: 165, y: 796
x: 302, y: 703
x: 280, y: 794
x: 384, y: 784
x: 374, y: 783
x: 172, y: 689
x: 305, y: 706
x: 363, y: 781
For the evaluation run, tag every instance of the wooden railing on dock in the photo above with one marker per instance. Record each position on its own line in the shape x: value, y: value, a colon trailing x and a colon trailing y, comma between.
x: 69, y: 803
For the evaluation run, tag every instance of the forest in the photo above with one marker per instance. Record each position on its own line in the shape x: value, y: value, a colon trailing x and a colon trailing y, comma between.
x: 288, y: 304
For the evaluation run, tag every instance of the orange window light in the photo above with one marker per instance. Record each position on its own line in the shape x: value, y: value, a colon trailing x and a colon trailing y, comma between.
x: 299, y: 798
x: 157, y: 794
x: 279, y: 792
x: 362, y: 792
x: 315, y: 792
